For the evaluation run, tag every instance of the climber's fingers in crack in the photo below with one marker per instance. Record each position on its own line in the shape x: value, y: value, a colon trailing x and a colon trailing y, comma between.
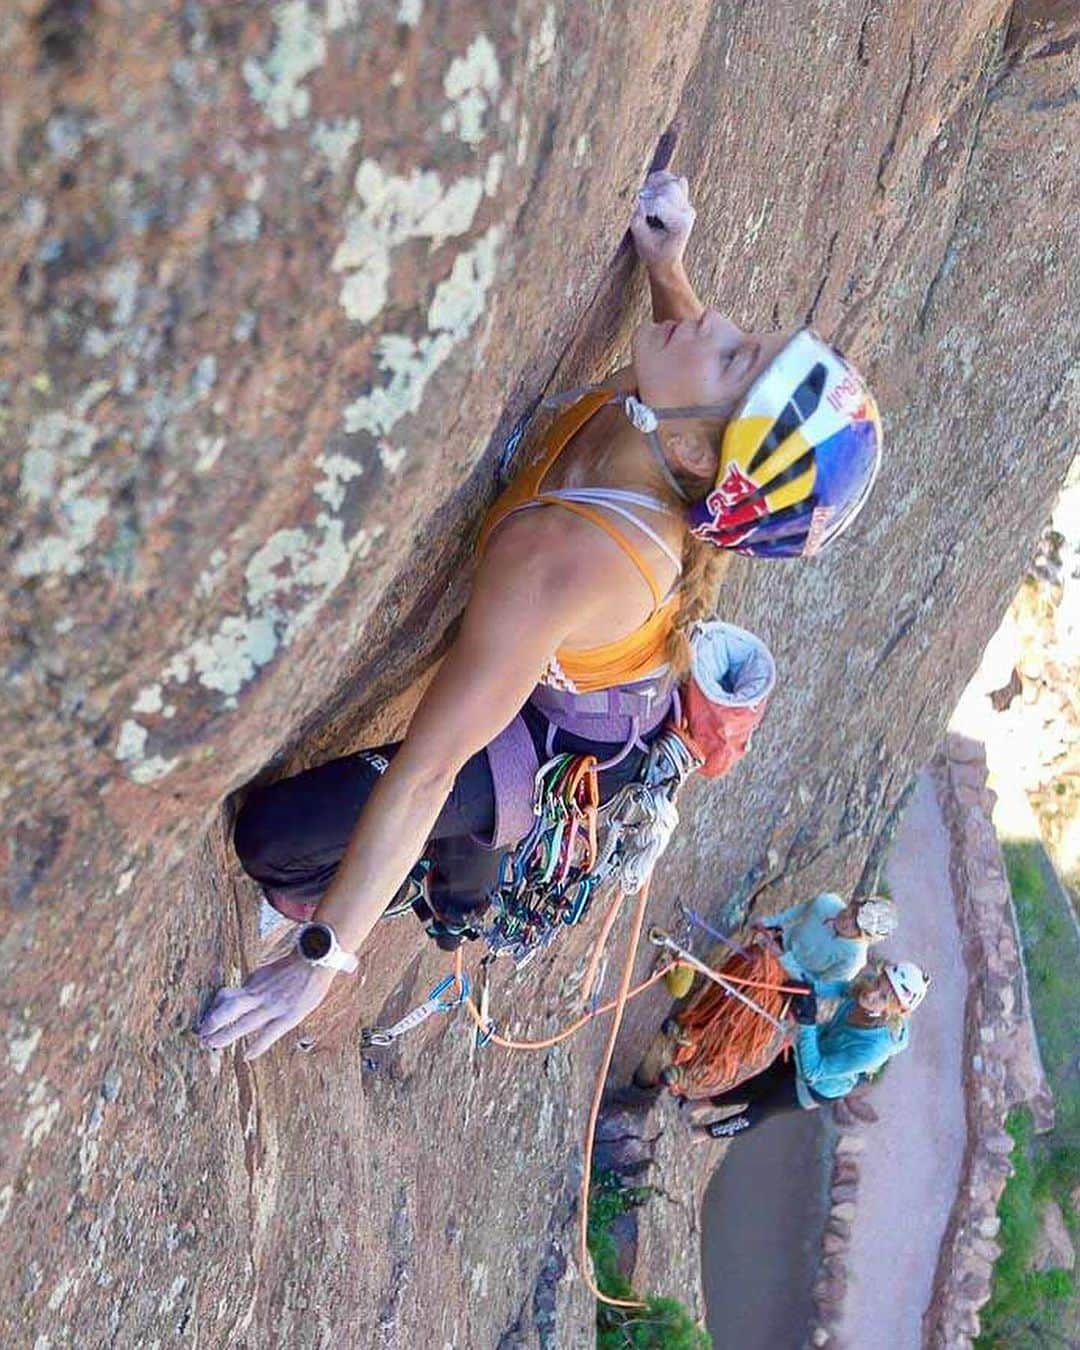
x: 660, y: 227
x: 228, y: 1005
x: 662, y: 219
x: 662, y: 180
x: 263, y: 988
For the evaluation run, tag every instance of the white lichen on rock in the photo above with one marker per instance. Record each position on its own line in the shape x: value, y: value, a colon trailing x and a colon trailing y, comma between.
x: 336, y: 140
x: 337, y: 470
x: 471, y: 83
x: 41, y: 1117
x: 228, y: 658
x: 299, y: 49
x: 410, y: 362
x: 389, y: 211
x: 149, y: 700
x: 21, y: 1047
x: 131, y: 750
x: 542, y: 43
x: 340, y: 13
x: 121, y: 285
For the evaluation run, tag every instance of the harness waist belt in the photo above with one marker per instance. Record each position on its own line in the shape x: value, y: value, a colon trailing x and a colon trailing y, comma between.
x: 608, y: 715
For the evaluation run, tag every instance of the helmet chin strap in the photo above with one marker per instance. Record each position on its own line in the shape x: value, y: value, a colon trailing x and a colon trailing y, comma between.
x: 647, y: 420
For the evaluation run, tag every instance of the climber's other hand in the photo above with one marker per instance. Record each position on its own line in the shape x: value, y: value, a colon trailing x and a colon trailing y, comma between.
x: 271, y: 1001
x: 662, y: 220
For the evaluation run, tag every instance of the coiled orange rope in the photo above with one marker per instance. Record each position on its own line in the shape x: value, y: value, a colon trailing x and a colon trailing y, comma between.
x: 727, y: 1042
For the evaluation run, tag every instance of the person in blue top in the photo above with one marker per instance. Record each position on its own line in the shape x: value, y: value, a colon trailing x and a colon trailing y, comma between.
x: 867, y: 1029
x: 824, y: 943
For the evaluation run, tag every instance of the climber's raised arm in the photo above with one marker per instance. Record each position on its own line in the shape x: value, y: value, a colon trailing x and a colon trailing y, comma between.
x: 660, y: 226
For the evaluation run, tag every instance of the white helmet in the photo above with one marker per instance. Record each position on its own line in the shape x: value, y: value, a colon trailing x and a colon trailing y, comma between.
x: 877, y: 917
x: 909, y: 983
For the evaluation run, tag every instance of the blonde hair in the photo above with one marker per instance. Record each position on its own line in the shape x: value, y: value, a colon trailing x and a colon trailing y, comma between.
x: 870, y: 974
x: 703, y: 568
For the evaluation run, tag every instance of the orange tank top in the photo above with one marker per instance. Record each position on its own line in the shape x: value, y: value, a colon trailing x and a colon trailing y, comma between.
x: 642, y: 652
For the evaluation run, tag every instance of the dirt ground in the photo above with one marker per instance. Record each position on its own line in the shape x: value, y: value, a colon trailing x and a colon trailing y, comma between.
x: 911, y: 1166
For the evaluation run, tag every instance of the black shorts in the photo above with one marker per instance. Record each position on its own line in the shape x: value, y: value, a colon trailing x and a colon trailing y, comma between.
x: 291, y: 835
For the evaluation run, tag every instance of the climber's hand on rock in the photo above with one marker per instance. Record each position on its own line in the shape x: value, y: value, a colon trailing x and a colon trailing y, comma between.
x: 270, y: 1002
x: 662, y: 220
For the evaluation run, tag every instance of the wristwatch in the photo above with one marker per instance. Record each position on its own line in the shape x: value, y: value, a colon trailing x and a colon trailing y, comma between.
x: 317, y: 943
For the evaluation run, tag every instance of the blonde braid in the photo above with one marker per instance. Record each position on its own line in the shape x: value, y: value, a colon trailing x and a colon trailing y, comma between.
x: 703, y: 568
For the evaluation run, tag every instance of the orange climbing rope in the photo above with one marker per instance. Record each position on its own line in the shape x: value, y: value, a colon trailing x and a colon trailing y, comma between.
x: 546, y: 1042
x: 584, y: 1262
x: 726, y: 1041
x: 618, y: 1005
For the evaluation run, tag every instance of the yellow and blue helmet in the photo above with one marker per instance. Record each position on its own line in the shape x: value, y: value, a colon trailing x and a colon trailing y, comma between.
x: 798, y: 460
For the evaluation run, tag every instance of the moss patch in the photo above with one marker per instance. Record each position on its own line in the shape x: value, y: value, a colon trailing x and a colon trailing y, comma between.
x: 663, y: 1323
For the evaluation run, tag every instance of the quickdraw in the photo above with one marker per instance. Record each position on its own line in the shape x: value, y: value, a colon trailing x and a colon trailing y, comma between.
x: 576, y: 845
x: 434, y: 1003
x: 546, y: 881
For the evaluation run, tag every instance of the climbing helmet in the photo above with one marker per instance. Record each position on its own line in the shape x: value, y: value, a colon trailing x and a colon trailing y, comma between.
x: 798, y: 459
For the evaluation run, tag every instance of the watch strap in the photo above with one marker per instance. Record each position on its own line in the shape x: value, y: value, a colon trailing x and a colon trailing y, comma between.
x: 337, y: 958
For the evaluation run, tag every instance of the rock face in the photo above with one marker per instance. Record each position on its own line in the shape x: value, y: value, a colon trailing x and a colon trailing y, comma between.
x: 277, y: 282
x: 646, y: 1144
x: 1053, y: 1245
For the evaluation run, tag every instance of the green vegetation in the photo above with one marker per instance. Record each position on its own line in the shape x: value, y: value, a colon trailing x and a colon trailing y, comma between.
x: 1028, y: 1309
x: 663, y: 1323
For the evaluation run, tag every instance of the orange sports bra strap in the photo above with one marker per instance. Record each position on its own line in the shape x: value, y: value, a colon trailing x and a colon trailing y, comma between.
x: 566, y: 426
x: 612, y: 532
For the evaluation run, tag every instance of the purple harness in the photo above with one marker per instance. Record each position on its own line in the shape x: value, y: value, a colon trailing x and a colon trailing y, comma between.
x: 623, y: 715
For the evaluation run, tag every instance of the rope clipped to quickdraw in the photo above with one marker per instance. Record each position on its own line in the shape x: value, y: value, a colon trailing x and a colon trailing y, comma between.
x: 576, y: 845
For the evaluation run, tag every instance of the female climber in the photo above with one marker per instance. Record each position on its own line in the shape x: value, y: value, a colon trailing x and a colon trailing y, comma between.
x: 595, y: 565
x: 824, y: 942
x: 830, y: 1058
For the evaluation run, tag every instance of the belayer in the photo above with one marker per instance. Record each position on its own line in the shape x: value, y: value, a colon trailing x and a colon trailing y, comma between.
x: 831, y: 1058
x: 595, y: 567
x: 825, y: 942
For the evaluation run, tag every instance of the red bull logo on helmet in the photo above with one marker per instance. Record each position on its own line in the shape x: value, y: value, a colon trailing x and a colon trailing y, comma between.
x: 732, y: 515
x: 733, y: 488
x: 850, y: 390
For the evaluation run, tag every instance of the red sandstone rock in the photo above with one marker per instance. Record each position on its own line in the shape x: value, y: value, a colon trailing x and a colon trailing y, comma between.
x: 240, y: 489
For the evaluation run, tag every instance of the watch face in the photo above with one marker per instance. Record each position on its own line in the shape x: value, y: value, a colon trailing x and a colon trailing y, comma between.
x: 315, y: 941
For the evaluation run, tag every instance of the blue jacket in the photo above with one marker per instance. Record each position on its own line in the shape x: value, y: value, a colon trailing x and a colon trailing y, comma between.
x: 832, y: 1056
x: 813, y: 951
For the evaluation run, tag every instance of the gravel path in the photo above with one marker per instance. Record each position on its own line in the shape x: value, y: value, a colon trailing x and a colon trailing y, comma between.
x: 910, y: 1169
